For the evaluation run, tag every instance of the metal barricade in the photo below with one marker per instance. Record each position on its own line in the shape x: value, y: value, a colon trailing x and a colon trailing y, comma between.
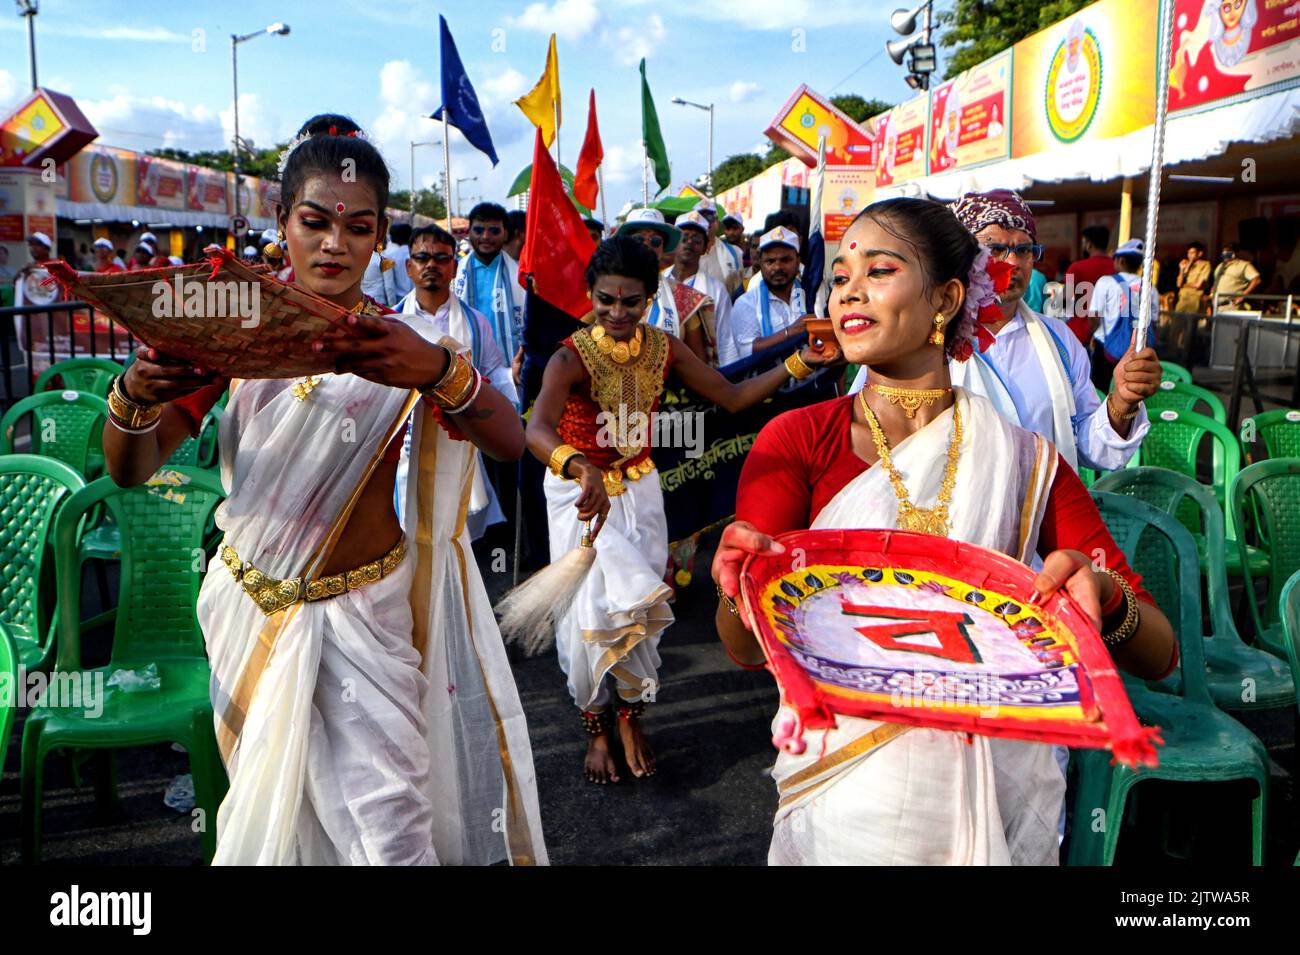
x: 34, y: 337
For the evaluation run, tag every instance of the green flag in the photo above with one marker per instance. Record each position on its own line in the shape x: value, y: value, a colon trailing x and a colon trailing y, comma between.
x: 652, y: 137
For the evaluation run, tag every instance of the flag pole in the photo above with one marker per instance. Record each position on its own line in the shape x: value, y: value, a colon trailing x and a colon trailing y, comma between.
x: 600, y: 184
x: 645, y: 173
x: 555, y: 105
x: 446, y: 164
x: 1148, y: 298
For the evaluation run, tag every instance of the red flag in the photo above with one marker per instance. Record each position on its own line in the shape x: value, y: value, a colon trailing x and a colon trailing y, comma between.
x: 592, y: 155
x: 557, y: 245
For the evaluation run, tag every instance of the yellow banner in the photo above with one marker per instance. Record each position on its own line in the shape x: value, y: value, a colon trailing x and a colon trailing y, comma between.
x: 1091, y: 76
x: 968, y: 116
x: 900, y: 142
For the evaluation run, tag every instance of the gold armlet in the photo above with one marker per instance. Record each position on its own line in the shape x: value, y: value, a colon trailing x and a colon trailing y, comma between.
x: 797, y: 367
x: 128, y: 415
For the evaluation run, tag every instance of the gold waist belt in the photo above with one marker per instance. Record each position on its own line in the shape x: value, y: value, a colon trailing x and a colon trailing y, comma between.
x: 273, y: 595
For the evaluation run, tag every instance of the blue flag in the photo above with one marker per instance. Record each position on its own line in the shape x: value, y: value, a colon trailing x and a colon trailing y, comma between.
x: 459, y: 99
x: 814, y: 260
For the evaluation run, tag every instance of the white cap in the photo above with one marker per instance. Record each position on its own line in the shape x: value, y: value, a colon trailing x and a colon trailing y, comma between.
x: 175, y: 260
x: 250, y: 251
x: 694, y: 220
x: 143, y: 244
x: 270, y: 235
x: 706, y: 205
x: 779, y: 236
x: 1132, y: 247
x: 102, y: 244
x: 42, y: 238
x: 651, y: 219
x: 150, y: 238
x: 732, y: 217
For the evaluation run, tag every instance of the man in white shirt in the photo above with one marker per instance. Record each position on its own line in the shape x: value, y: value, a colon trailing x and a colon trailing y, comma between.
x: 1036, y: 371
x: 1113, y: 310
x: 773, y: 310
x: 489, y: 277
x: 688, y: 269
x: 719, y: 260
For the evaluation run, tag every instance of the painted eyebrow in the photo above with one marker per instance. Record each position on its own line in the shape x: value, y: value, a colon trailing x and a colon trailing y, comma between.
x: 321, y: 209
x: 867, y: 253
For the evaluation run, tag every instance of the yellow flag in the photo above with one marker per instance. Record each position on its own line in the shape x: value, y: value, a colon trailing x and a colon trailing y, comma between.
x: 542, y: 104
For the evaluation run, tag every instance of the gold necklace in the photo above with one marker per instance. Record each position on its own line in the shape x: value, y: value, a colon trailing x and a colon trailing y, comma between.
x: 621, y: 352
x: 927, y: 520
x: 303, y: 389
x: 911, y: 399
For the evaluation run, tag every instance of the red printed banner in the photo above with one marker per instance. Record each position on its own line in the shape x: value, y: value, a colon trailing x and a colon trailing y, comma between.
x: 1234, y: 49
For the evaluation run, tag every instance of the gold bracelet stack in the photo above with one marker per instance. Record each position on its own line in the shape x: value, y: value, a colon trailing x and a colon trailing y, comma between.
x: 1122, y: 416
x: 797, y: 367
x: 459, y: 385
x: 130, y: 416
x: 1128, y: 627
x: 560, y: 459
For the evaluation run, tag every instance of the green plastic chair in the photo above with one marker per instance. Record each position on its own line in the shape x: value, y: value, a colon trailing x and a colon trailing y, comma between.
x: 1181, y: 396
x: 9, y: 674
x: 91, y: 375
x: 1279, y: 431
x: 31, y: 490
x: 163, y: 524
x: 1202, y: 743
x: 1229, y: 661
x: 65, y: 426
x: 1291, y: 632
x: 1172, y: 371
x: 1272, y: 489
x: 1174, y: 442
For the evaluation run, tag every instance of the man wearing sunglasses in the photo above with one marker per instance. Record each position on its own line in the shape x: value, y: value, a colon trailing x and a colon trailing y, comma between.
x: 489, y: 279
x: 431, y: 268
x: 1035, y: 371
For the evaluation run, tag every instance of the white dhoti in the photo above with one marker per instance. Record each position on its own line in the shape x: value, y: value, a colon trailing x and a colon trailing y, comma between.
x: 864, y: 793
x: 613, y: 626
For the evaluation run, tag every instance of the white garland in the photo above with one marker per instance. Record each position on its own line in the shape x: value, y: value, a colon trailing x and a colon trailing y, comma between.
x: 302, y: 138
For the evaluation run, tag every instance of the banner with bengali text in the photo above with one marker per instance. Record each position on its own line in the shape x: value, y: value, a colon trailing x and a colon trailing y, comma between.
x: 968, y: 116
x: 900, y: 142
x: 1234, y: 50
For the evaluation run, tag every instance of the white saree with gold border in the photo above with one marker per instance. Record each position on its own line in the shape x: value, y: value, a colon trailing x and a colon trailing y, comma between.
x: 380, y: 726
x: 873, y: 793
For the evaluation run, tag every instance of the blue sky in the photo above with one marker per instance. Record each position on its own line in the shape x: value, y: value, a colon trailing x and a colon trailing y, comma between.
x: 150, y: 74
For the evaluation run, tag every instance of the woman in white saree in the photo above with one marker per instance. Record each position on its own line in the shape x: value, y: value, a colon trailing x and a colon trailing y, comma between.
x: 364, y: 705
x: 912, y: 452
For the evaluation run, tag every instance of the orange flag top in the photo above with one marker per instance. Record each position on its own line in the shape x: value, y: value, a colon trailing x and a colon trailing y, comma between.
x: 557, y: 245
x: 592, y: 155
x: 542, y: 103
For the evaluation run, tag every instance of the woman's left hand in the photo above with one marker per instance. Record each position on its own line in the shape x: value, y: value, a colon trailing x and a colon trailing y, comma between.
x: 386, y: 351
x: 1072, y: 571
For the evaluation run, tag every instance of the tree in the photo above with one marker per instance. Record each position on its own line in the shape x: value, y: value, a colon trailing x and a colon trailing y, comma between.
x: 734, y: 170
x: 428, y: 202
x: 858, y: 109
x: 977, y: 29
x: 253, y: 161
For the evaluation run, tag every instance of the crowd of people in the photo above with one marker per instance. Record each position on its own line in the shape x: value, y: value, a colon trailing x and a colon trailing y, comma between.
x: 953, y: 384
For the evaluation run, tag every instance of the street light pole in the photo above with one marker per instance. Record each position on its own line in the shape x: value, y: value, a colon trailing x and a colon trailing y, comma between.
x: 29, y: 9
x: 708, y: 109
x: 413, y: 145
x: 458, y: 182
x: 280, y: 29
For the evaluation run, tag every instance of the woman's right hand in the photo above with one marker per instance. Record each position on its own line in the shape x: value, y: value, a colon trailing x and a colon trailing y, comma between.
x: 155, y: 378
x: 739, y: 540
x: 593, y: 500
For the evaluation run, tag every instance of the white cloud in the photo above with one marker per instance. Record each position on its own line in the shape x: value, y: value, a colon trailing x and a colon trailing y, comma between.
x: 742, y: 92
x: 631, y: 44
x: 10, y: 93
x: 761, y: 147
x: 143, y: 123
x: 568, y: 19
x: 784, y: 14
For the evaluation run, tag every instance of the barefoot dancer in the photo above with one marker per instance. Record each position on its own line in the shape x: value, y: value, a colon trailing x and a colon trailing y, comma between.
x: 365, y: 709
x: 910, y: 451
x: 614, y: 372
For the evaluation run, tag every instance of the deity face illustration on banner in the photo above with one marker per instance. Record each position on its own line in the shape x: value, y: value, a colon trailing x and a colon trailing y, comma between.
x: 1232, y: 23
x: 1073, y: 42
x: 952, y: 121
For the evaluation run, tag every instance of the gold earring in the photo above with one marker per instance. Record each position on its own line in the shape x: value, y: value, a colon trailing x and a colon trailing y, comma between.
x: 380, y: 247
x: 936, y: 336
x: 272, y: 250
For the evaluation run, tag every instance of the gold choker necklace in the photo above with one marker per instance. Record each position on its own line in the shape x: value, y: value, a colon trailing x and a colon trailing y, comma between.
x: 927, y: 520
x: 911, y: 399
x: 621, y: 352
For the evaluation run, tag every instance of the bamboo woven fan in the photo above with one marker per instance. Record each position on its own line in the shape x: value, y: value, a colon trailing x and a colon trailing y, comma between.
x: 221, y: 315
x: 925, y: 631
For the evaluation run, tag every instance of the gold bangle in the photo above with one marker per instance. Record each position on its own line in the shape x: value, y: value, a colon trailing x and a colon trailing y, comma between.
x: 560, y: 459
x: 130, y: 415
x: 1128, y: 627
x: 727, y: 602
x: 1122, y: 416
x: 797, y: 367
x: 454, y: 386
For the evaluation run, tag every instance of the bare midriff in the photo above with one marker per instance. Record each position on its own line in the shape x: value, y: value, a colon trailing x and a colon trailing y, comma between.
x: 372, y: 529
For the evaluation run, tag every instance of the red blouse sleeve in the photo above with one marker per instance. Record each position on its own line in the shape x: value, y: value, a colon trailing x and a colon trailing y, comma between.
x: 775, y: 490
x: 197, y: 404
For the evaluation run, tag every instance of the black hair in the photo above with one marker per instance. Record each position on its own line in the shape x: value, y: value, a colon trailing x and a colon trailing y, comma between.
x: 1098, y: 235
x: 330, y: 147
x: 490, y: 212
x: 945, y: 247
x: 437, y: 233
x: 1198, y: 246
x: 1129, y: 263
x: 623, y: 255
x: 400, y: 234
x: 516, y: 222
x: 594, y: 224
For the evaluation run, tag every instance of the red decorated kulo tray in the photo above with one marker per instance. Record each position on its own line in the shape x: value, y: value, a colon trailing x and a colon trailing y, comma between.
x: 909, y: 628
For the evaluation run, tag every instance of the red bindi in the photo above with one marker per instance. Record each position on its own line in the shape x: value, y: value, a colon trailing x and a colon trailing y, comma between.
x: 339, y: 207
x: 852, y: 246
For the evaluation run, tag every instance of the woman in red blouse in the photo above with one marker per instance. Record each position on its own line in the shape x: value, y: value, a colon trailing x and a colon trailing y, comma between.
x: 911, y: 452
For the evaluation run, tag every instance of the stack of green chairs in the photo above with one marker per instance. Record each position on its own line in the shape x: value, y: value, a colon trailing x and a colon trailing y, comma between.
x: 1278, y: 430
x: 91, y: 375
x: 1172, y: 371
x: 1272, y: 490
x: 65, y: 426
x: 1239, y: 677
x: 31, y: 490
x: 1181, y: 396
x: 9, y: 673
x: 1291, y: 632
x: 163, y: 525
x: 1201, y: 743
